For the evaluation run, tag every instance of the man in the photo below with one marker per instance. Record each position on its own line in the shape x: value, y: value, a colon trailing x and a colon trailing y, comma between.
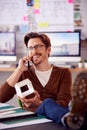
x: 52, y: 84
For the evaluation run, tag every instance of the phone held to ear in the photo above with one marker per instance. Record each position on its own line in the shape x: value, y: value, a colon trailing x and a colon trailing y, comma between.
x: 28, y: 64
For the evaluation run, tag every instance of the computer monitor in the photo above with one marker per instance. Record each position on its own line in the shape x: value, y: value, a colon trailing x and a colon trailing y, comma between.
x: 7, y: 46
x: 66, y: 46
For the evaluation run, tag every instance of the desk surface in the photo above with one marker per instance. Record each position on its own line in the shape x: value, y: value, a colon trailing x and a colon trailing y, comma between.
x: 37, y: 126
x: 25, y: 120
x: 46, y: 126
x: 43, y: 126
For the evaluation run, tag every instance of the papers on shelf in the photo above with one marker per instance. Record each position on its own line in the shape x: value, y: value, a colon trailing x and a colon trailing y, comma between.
x: 2, y: 114
x: 16, y: 113
x: 11, y: 117
x: 8, y: 109
x: 3, y: 105
x: 24, y: 123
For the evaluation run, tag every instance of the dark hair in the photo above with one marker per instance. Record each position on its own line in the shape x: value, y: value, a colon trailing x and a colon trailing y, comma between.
x: 44, y: 38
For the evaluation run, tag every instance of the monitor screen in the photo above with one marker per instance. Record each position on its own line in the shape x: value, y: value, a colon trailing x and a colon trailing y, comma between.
x: 7, y: 46
x: 65, y: 46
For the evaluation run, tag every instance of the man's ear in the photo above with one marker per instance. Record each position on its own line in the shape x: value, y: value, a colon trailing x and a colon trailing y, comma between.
x: 49, y: 50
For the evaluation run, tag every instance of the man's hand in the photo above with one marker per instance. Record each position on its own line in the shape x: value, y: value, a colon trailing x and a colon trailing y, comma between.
x: 32, y: 101
x: 22, y: 63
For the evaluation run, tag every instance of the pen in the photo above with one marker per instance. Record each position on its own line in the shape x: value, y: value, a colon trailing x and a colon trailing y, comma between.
x: 28, y: 65
x: 20, y: 103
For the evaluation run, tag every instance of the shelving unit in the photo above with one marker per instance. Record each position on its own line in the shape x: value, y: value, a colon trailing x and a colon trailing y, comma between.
x: 10, y: 69
x: 7, y: 69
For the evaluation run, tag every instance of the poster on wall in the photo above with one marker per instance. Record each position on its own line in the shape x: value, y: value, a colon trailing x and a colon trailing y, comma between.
x: 54, y: 15
x: 77, y: 14
x: 13, y: 12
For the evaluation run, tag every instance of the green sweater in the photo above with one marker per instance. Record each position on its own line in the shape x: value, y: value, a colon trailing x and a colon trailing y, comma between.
x: 58, y: 87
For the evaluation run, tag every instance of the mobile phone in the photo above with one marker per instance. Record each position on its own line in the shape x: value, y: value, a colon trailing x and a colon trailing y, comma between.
x: 28, y: 65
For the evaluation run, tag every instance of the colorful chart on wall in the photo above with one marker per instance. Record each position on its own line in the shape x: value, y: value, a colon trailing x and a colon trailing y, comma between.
x: 13, y: 12
x: 54, y: 14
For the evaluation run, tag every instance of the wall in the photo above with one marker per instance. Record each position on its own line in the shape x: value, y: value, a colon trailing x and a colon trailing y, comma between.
x: 31, y: 19
x: 84, y: 18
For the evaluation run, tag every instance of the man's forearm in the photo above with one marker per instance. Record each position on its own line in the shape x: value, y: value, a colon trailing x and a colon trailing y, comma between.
x: 12, y: 80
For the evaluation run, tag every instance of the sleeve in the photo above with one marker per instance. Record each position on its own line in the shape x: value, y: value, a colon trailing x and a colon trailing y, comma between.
x: 6, y: 92
x: 64, y: 94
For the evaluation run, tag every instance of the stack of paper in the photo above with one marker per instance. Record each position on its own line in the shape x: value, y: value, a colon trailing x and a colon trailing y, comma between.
x: 11, y: 117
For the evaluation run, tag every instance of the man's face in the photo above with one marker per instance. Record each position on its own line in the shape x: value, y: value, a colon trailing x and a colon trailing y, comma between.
x: 38, y: 51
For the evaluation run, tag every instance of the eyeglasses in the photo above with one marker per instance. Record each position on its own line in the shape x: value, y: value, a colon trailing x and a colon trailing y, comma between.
x: 36, y: 47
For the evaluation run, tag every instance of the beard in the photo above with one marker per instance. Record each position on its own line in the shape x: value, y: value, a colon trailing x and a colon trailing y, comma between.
x: 36, y: 59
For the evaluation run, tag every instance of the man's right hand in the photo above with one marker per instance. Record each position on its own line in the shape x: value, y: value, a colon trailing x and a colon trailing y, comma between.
x: 23, y: 63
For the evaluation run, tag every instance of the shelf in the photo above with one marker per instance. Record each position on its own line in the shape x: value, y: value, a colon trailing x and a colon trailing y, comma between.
x: 78, y: 69
x: 7, y: 69
x: 12, y: 68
